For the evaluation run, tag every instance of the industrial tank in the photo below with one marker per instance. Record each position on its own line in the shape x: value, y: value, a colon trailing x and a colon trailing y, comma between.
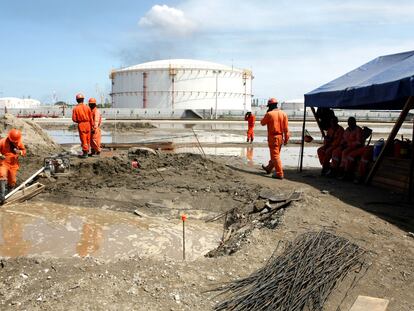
x: 182, y: 84
x: 18, y: 103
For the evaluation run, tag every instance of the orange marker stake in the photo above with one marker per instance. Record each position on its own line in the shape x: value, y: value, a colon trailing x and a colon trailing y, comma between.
x: 183, y: 218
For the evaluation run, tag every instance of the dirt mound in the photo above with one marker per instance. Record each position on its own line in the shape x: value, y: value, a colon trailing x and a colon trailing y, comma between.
x: 37, y: 142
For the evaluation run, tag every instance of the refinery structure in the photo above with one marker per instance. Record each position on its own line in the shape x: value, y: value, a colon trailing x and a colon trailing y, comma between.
x: 181, y: 84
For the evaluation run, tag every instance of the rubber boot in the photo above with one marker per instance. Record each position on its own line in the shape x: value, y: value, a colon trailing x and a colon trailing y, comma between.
x: 84, y: 154
x: 2, y: 191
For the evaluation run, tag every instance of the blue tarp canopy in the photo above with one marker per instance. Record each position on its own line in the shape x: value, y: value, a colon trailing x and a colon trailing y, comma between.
x: 383, y: 83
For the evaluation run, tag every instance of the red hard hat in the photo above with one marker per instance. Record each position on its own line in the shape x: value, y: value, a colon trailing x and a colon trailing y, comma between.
x: 80, y: 96
x: 14, y: 135
x: 272, y: 101
x: 92, y: 100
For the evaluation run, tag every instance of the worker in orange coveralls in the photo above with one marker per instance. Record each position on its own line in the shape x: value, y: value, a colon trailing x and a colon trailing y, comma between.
x: 366, y: 157
x: 82, y: 115
x: 10, y: 149
x: 352, y: 140
x: 331, y: 141
x: 96, y: 128
x: 277, y: 134
x: 251, y: 119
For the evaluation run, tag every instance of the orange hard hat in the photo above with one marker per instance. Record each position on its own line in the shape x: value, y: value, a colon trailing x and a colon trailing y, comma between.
x: 272, y: 101
x: 80, y: 96
x: 92, y: 100
x: 14, y: 135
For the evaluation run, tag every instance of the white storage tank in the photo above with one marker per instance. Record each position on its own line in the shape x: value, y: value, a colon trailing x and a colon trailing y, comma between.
x: 19, y: 103
x: 182, y: 84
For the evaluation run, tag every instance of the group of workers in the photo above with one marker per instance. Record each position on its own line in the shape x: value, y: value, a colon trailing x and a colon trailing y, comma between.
x: 342, y: 148
x: 89, y: 122
x: 277, y: 135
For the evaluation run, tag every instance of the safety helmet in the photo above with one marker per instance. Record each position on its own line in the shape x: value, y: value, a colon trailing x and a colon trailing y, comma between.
x: 272, y: 101
x: 14, y: 135
x: 80, y: 96
x: 92, y: 100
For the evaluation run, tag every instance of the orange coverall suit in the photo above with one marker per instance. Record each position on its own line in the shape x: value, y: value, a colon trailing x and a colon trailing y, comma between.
x: 277, y: 134
x: 332, y: 141
x: 10, y: 165
x: 82, y: 115
x: 352, y: 140
x: 251, y: 119
x: 96, y: 130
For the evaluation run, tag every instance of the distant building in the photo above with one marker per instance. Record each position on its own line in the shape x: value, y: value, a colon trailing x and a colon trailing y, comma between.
x: 19, y: 103
x: 182, y: 84
x: 293, y: 104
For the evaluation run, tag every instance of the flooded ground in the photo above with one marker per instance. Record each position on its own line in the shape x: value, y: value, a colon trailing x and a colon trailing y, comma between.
x: 60, y: 231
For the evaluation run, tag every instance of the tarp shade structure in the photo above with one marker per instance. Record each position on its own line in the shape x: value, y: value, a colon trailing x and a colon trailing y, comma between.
x: 383, y: 83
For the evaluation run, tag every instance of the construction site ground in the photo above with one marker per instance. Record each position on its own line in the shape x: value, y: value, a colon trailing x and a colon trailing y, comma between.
x: 108, y: 236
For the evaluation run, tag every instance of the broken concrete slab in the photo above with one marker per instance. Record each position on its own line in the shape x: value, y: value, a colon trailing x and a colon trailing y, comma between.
x: 364, y: 303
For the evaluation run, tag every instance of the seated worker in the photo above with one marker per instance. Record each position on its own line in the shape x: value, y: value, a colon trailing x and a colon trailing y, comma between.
x: 331, y: 141
x: 352, y: 139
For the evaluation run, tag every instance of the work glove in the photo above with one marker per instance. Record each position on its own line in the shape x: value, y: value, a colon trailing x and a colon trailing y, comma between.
x: 2, y: 157
x: 17, y: 151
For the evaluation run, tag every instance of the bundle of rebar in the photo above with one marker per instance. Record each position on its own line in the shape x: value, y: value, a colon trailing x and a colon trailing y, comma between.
x: 302, y: 276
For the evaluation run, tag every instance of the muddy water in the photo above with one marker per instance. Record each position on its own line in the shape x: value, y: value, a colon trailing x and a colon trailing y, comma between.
x: 260, y: 155
x: 53, y: 230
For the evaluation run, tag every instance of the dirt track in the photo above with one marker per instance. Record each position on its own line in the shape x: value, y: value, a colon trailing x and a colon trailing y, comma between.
x: 206, y: 188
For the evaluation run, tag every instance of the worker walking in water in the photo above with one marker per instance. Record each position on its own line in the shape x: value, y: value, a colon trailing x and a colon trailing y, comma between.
x: 82, y: 115
x: 11, y: 148
x: 251, y: 119
x: 96, y: 128
x: 277, y: 134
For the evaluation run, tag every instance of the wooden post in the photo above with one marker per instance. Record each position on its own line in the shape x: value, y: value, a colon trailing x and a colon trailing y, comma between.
x: 302, y: 144
x: 411, y: 177
x: 408, y: 105
x: 317, y: 121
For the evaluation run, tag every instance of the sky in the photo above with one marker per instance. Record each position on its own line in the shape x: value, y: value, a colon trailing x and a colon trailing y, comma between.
x: 53, y: 49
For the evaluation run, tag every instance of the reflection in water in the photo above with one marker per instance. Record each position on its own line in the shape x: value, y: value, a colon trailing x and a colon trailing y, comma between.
x: 90, y: 240
x: 54, y: 230
x: 249, y: 156
x: 14, y: 244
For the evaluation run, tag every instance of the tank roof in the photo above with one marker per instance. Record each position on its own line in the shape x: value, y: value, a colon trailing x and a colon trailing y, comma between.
x: 179, y: 64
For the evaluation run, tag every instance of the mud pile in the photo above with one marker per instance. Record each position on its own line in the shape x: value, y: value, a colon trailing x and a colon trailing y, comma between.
x: 37, y: 142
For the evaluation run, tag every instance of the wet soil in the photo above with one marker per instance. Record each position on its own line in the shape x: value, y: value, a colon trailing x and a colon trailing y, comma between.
x: 168, y: 185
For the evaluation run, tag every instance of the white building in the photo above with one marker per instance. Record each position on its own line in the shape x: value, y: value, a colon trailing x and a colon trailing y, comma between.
x: 182, y: 84
x: 18, y: 103
x: 293, y: 104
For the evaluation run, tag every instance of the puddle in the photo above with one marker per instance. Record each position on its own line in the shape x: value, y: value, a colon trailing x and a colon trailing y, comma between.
x: 54, y: 230
x: 260, y: 155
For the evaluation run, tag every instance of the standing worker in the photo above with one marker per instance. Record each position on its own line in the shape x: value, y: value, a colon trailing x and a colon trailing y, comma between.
x: 277, y: 134
x: 10, y: 149
x: 251, y: 119
x: 96, y: 128
x: 82, y: 115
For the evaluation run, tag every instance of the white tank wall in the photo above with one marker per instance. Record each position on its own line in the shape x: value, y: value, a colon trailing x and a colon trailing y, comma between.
x: 193, y: 89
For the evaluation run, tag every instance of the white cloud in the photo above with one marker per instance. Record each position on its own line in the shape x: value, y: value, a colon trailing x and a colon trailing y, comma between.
x: 168, y: 21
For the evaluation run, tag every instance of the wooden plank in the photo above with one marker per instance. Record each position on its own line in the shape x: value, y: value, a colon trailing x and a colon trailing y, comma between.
x: 366, y: 303
x: 25, y: 194
x: 153, y: 145
x: 408, y: 105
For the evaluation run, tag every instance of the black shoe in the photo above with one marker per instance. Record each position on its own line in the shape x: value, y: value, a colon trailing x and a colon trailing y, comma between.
x: 84, y: 155
x: 266, y: 170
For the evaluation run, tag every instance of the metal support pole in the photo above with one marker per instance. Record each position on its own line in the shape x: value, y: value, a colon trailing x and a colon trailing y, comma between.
x: 317, y: 121
x: 408, y: 105
x: 302, y: 144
